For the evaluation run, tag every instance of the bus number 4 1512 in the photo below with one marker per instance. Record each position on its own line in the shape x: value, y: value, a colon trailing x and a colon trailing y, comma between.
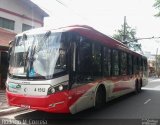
x: 39, y: 89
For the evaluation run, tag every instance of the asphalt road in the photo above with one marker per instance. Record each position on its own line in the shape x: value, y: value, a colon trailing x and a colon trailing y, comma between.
x: 131, y: 109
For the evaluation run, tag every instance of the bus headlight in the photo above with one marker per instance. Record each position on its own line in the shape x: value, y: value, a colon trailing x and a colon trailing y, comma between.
x: 58, y: 88
x: 53, y: 90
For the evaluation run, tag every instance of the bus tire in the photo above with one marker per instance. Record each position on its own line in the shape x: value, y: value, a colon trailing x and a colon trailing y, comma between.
x: 138, y: 87
x: 100, y: 98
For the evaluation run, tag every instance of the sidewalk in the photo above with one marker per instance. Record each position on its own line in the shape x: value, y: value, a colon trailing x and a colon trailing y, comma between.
x: 150, y: 79
x: 4, y: 107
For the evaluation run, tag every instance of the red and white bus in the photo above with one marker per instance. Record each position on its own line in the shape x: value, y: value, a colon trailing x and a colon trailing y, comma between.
x: 69, y: 69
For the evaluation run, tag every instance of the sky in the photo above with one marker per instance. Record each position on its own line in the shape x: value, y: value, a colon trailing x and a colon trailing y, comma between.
x: 107, y: 16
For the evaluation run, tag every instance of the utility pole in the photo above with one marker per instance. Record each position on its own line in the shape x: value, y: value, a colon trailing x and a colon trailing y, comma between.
x: 124, y: 30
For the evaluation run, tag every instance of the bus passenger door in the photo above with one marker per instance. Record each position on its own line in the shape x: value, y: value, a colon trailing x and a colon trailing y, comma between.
x: 80, y: 76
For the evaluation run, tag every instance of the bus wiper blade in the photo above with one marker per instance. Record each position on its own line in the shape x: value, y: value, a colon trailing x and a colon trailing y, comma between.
x: 25, y: 59
x: 31, y: 53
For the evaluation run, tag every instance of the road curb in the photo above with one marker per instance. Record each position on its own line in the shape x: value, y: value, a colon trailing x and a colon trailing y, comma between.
x: 150, y: 80
x: 11, y: 110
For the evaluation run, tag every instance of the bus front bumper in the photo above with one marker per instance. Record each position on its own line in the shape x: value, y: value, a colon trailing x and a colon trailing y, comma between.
x: 56, y: 103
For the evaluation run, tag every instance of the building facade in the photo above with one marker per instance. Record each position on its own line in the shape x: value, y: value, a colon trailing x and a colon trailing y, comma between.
x: 16, y: 16
x: 20, y: 15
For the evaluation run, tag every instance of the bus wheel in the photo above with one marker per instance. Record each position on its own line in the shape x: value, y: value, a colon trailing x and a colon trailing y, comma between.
x: 100, y: 98
x: 138, y: 86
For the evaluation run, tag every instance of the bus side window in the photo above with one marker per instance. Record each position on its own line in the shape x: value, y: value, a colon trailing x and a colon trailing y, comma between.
x: 123, y: 63
x: 107, y: 61
x: 84, y: 61
x: 134, y: 64
x: 115, y: 62
x: 96, y: 54
x: 130, y: 64
x: 139, y: 64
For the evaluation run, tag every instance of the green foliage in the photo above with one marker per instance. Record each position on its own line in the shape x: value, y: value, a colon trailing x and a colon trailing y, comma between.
x: 130, y: 39
x: 157, y: 6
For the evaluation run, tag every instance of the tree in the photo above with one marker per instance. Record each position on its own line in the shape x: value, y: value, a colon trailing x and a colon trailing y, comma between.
x: 129, y: 38
x: 157, y: 6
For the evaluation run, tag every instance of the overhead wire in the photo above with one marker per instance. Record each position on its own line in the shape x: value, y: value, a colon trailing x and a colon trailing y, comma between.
x: 69, y: 9
x: 73, y: 11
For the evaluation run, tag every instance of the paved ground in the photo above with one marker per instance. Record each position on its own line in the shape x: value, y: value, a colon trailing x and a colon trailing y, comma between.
x: 3, y: 100
x: 4, y: 107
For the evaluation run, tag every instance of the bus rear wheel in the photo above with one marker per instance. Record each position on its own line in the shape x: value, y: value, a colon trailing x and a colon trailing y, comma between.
x: 100, y: 98
x: 138, y: 86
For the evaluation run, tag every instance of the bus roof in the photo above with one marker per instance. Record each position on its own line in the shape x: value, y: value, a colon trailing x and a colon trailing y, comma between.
x: 86, y: 31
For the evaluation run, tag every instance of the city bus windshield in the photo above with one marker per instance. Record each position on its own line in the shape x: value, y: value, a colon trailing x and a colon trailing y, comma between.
x: 38, y: 56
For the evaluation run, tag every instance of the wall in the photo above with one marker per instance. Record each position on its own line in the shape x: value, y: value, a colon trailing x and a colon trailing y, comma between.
x: 18, y: 7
